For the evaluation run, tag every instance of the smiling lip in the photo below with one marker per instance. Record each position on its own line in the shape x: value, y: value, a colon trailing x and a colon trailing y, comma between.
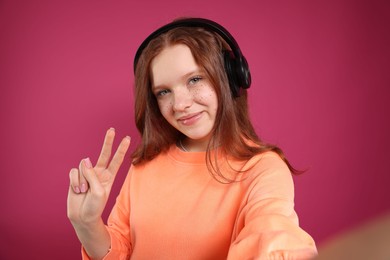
x: 189, y: 119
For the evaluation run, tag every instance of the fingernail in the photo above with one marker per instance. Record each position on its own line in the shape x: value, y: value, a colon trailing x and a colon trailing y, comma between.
x: 76, y: 189
x: 112, y: 129
x: 88, y: 163
x: 83, y: 187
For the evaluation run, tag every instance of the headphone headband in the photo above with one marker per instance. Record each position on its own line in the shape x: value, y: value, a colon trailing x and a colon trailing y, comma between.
x: 191, y: 22
x: 236, y: 65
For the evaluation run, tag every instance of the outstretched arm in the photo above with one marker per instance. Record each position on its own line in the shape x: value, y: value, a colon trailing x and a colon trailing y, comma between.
x: 267, y: 224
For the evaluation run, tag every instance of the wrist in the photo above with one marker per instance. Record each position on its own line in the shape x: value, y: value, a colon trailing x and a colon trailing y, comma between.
x: 88, y: 225
x: 95, y: 239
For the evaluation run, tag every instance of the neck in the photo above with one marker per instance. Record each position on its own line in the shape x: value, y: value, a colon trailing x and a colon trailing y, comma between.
x: 189, y: 145
x: 181, y: 146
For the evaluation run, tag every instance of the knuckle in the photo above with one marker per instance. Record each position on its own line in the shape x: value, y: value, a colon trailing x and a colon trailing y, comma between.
x: 121, y: 153
x: 73, y: 172
x: 74, y: 177
x: 106, y: 154
x: 98, y: 193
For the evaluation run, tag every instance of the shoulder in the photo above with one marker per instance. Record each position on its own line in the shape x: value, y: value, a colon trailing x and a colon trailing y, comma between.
x: 269, y: 175
x: 267, y: 161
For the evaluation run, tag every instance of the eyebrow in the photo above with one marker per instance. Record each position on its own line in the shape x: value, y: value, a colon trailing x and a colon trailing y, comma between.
x: 191, y: 73
x: 183, y: 77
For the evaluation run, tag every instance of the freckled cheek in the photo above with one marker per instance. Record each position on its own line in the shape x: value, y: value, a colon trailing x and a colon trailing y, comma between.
x: 203, y: 93
x: 165, y: 107
x: 194, y: 92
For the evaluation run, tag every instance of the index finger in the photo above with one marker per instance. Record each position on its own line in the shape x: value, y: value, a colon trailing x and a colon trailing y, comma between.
x: 105, y: 154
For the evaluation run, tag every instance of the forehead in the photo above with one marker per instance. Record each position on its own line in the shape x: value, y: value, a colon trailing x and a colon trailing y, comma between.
x: 172, y: 62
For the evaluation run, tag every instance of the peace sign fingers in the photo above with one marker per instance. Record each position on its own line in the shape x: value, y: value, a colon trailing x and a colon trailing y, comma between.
x: 107, y: 168
x: 90, y: 186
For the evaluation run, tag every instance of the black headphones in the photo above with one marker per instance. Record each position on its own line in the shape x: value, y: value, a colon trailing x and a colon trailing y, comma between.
x: 236, y: 66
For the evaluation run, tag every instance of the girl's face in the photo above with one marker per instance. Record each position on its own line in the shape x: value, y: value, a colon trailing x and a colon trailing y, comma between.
x: 185, y: 96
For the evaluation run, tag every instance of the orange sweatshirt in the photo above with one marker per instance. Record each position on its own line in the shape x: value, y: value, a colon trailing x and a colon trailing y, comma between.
x: 172, y: 208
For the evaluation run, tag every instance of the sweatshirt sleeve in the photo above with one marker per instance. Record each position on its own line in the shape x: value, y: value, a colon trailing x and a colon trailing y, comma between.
x: 267, y: 225
x: 118, y: 225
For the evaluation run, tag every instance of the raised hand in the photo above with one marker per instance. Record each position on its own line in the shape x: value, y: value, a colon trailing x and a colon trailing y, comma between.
x: 90, y: 186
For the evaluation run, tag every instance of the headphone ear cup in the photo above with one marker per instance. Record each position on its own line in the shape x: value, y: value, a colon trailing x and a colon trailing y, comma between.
x: 243, y: 73
x: 237, y: 71
x: 230, y: 68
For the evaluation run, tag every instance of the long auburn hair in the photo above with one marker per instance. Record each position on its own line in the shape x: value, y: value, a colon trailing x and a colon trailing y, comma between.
x: 232, y: 132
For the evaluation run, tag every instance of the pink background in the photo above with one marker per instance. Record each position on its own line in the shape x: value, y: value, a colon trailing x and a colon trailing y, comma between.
x: 320, y: 73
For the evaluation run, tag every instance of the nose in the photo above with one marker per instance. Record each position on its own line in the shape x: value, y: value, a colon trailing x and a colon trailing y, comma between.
x: 182, y: 99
